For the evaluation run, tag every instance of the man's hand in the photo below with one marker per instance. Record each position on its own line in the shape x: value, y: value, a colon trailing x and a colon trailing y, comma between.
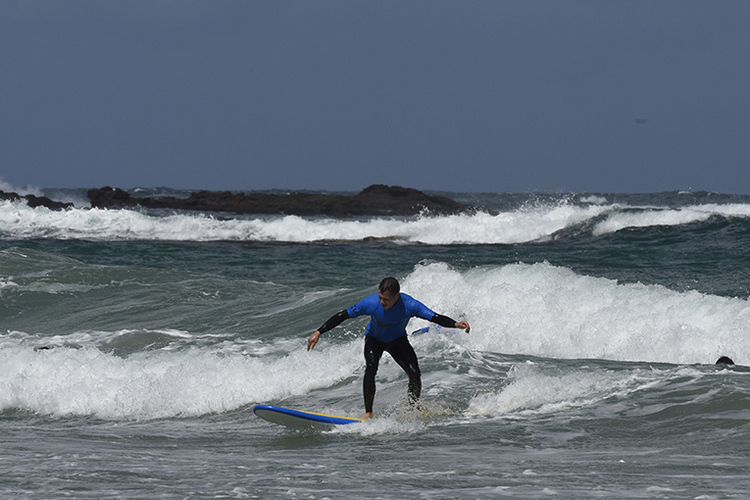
x: 313, y: 339
x: 463, y: 325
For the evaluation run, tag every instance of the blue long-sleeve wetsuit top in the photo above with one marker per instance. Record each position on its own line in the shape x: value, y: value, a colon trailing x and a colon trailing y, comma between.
x: 387, y: 325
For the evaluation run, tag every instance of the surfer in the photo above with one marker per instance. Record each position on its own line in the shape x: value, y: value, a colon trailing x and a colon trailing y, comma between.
x: 389, y: 311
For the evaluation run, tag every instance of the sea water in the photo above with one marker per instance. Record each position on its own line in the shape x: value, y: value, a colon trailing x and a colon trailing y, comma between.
x: 134, y: 343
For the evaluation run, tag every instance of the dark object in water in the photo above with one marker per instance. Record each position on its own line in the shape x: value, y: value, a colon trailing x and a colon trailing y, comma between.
x: 376, y: 200
x: 724, y: 360
x: 35, y: 201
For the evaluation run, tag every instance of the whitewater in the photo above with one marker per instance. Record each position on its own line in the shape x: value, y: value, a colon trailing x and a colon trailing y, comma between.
x: 528, y: 223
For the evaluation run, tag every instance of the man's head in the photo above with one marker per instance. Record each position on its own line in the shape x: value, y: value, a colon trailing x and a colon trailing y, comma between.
x: 388, y: 292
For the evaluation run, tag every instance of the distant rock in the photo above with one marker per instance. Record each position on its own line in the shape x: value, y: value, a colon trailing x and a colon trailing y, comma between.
x: 35, y: 201
x: 376, y: 200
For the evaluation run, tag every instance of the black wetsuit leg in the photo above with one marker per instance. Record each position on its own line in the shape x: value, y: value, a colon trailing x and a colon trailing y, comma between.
x: 373, y: 352
x: 403, y: 353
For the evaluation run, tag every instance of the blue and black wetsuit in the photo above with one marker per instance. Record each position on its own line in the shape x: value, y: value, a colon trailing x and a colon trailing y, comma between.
x: 386, y: 332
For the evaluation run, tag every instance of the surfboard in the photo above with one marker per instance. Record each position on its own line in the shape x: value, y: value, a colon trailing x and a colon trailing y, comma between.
x: 301, y: 420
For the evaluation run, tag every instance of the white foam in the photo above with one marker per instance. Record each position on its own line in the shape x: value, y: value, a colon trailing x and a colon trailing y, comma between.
x: 381, y: 426
x: 87, y: 338
x: 9, y: 188
x: 7, y: 283
x: 159, y: 384
x: 530, y: 391
x: 617, y: 221
x: 549, y: 311
x: 18, y: 221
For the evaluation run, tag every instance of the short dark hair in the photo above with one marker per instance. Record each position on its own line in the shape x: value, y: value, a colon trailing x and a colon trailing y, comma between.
x: 389, y: 285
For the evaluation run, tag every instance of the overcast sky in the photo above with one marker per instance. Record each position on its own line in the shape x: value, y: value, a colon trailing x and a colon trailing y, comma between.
x: 522, y: 95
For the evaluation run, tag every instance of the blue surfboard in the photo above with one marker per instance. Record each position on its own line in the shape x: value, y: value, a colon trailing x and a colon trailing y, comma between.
x: 301, y: 420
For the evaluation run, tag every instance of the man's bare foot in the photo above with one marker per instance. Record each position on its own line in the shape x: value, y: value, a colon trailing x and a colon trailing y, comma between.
x: 368, y: 416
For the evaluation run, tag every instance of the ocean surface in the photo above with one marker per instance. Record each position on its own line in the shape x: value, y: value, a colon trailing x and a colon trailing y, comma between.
x: 134, y: 344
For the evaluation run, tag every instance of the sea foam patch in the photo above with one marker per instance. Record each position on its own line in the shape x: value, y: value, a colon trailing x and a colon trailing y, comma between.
x: 619, y: 220
x: 525, y: 224
x: 530, y: 390
x: 18, y: 221
x: 548, y: 311
x: 64, y: 381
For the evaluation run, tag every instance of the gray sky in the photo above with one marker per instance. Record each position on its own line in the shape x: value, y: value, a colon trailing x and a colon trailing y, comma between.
x: 524, y: 95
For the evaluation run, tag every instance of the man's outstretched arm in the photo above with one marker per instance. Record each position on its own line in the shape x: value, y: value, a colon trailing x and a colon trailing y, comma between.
x: 332, y: 322
x: 450, y: 323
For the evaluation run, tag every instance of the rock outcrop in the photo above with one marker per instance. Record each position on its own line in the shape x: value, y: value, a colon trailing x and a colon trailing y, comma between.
x: 376, y: 200
x: 35, y: 201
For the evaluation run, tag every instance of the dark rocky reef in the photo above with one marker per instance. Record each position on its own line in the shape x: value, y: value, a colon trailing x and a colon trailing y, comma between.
x: 376, y: 200
x: 35, y: 201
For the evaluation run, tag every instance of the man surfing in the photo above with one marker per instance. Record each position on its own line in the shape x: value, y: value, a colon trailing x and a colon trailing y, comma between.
x: 389, y: 311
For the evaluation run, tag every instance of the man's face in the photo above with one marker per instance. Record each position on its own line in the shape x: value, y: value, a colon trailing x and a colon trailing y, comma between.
x: 387, y: 300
